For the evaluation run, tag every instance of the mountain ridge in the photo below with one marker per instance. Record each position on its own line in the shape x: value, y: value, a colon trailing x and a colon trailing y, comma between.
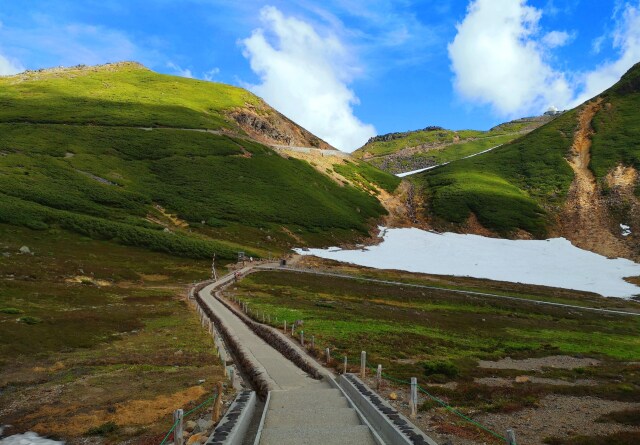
x: 528, y: 188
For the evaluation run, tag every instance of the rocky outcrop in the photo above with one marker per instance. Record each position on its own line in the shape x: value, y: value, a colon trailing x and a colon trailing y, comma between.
x: 270, y: 127
x: 399, y: 135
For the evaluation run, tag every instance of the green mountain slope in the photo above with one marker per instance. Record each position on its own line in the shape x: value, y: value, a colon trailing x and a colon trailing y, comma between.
x: 529, y: 185
x: 122, y: 153
x: 412, y: 150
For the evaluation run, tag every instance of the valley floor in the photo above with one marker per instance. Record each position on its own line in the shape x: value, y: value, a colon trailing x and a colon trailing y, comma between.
x: 551, y: 373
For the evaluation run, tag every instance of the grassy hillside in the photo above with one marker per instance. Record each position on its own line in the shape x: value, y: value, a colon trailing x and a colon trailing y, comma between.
x: 125, y: 94
x: 77, y: 151
x: 508, y: 188
x: 617, y: 126
x: 523, y: 184
x: 400, y: 152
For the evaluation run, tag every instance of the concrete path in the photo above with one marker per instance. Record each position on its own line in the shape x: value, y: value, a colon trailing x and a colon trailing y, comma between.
x: 301, y: 410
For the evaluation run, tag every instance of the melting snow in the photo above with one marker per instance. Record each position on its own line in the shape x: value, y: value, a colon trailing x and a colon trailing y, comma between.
x: 553, y: 262
x: 625, y: 230
x: 28, y: 439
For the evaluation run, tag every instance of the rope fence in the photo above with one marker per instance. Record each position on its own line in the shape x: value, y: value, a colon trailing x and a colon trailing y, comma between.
x: 289, y: 330
x: 180, y: 416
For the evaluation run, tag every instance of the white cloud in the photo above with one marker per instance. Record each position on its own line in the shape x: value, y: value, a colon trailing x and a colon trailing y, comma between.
x: 9, y: 67
x: 555, y: 39
x: 179, y: 71
x: 305, y: 76
x: 211, y: 74
x: 501, y: 58
x: 498, y: 59
x: 626, y: 40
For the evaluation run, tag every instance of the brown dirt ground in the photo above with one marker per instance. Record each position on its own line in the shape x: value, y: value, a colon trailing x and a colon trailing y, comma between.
x: 585, y: 220
x: 133, y: 412
x: 537, y: 364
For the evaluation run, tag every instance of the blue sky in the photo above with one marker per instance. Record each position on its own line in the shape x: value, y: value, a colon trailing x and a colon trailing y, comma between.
x: 349, y: 69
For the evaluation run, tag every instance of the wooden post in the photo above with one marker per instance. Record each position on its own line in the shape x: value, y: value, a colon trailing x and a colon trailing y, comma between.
x: 313, y: 342
x: 511, y: 437
x: 178, y: 435
x: 263, y: 317
x: 215, y: 416
x: 344, y: 371
x: 413, y: 397
x: 285, y: 326
x: 363, y: 364
x: 328, y: 354
x: 379, y: 377
x: 293, y: 329
x: 269, y: 318
x: 302, y: 338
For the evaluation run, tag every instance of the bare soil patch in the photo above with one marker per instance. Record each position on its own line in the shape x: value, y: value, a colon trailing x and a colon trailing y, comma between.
x: 585, y: 220
x: 561, y: 416
x: 537, y: 364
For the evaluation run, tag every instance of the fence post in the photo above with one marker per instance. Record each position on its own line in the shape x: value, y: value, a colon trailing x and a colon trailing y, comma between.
x: 363, y: 363
x: 328, y: 354
x: 511, y: 437
x: 345, y: 365
x: 293, y: 329
x: 263, y: 317
x: 178, y: 417
x: 269, y: 318
x: 379, y: 377
x: 302, y: 338
x: 413, y: 397
x: 285, y: 326
x: 313, y: 342
x: 217, y: 404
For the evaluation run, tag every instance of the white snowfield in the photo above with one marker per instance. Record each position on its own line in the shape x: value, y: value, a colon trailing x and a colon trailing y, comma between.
x: 553, y: 262
x: 28, y: 439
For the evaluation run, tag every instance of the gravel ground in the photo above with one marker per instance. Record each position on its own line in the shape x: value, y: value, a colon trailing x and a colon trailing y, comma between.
x: 560, y: 416
x: 504, y: 382
x: 536, y: 364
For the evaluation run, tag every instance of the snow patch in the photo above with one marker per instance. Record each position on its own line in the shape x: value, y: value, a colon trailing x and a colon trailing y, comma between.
x: 28, y: 438
x: 625, y: 230
x: 553, y: 262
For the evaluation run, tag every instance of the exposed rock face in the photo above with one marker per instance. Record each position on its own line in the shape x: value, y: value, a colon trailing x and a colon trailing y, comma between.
x: 391, y: 136
x: 268, y: 126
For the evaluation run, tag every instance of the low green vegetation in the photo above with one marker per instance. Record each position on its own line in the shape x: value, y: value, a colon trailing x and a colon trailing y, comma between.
x: 439, y: 337
x: 448, y: 144
x: 125, y: 94
x: 106, y: 329
x: 523, y: 184
x: 367, y: 176
x: 510, y: 188
x: 80, y: 149
x: 617, y: 129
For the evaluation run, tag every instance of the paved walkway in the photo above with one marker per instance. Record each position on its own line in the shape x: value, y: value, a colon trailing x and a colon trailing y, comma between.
x: 301, y: 410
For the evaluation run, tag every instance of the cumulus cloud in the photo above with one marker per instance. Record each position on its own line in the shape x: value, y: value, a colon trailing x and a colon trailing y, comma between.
x: 498, y: 59
x: 626, y: 40
x: 305, y: 76
x: 9, y: 67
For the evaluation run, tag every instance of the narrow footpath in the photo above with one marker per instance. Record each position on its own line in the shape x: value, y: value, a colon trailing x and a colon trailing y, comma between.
x: 300, y: 409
